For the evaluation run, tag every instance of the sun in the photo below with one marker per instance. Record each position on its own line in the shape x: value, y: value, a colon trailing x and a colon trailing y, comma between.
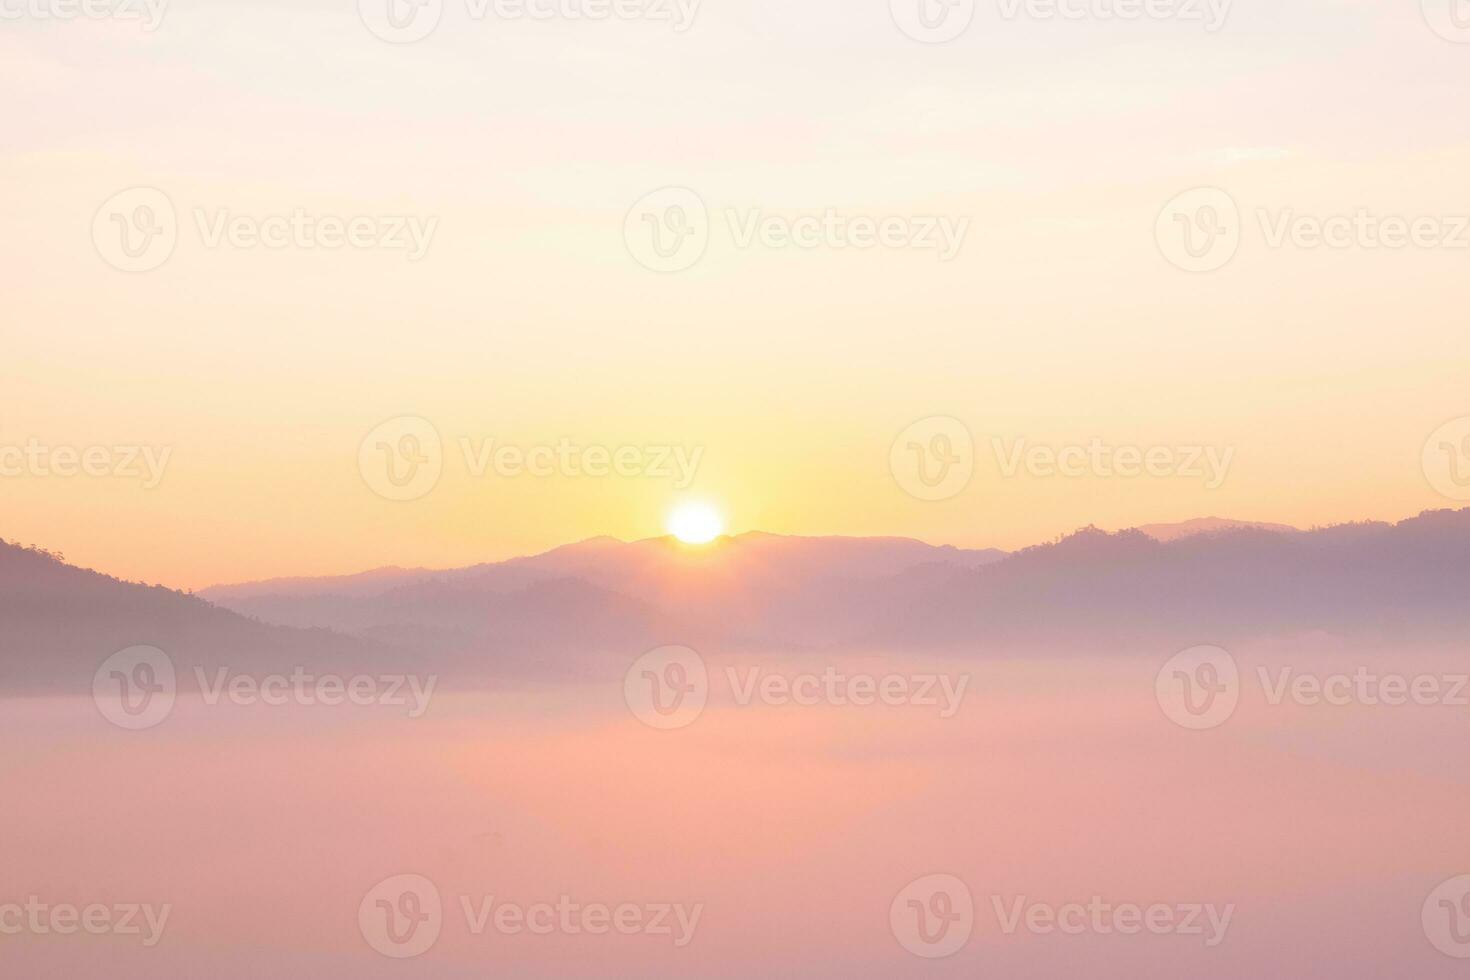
x: 695, y: 523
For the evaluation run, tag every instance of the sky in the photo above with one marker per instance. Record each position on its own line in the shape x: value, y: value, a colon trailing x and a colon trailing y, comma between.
x: 524, y: 152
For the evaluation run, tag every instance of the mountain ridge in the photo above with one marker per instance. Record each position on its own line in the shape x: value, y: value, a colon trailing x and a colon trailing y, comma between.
x: 567, y: 611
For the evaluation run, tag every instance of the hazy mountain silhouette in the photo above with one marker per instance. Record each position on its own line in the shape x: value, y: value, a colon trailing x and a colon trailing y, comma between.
x: 560, y: 613
x: 1373, y: 582
x: 58, y: 623
x: 737, y: 592
x: 609, y: 561
x: 1209, y: 525
x: 1199, y: 581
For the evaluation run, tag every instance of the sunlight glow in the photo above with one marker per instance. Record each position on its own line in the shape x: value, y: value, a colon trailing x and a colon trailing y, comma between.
x: 695, y: 523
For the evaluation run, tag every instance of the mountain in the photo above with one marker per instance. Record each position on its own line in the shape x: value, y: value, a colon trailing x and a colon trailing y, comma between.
x: 548, y: 615
x: 1373, y: 582
x: 582, y: 609
x: 700, y: 590
x: 58, y: 623
x: 605, y: 595
x: 610, y: 560
x: 1203, y: 581
x: 371, y: 582
x: 1210, y: 525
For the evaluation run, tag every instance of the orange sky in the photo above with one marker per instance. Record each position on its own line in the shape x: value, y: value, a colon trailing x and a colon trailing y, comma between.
x: 791, y: 371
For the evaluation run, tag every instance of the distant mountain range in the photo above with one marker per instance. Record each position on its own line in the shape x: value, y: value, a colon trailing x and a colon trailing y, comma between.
x: 58, y: 623
x: 1372, y: 583
x: 609, y: 559
x: 559, y: 613
x: 1209, y: 525
x: 605, y: 594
